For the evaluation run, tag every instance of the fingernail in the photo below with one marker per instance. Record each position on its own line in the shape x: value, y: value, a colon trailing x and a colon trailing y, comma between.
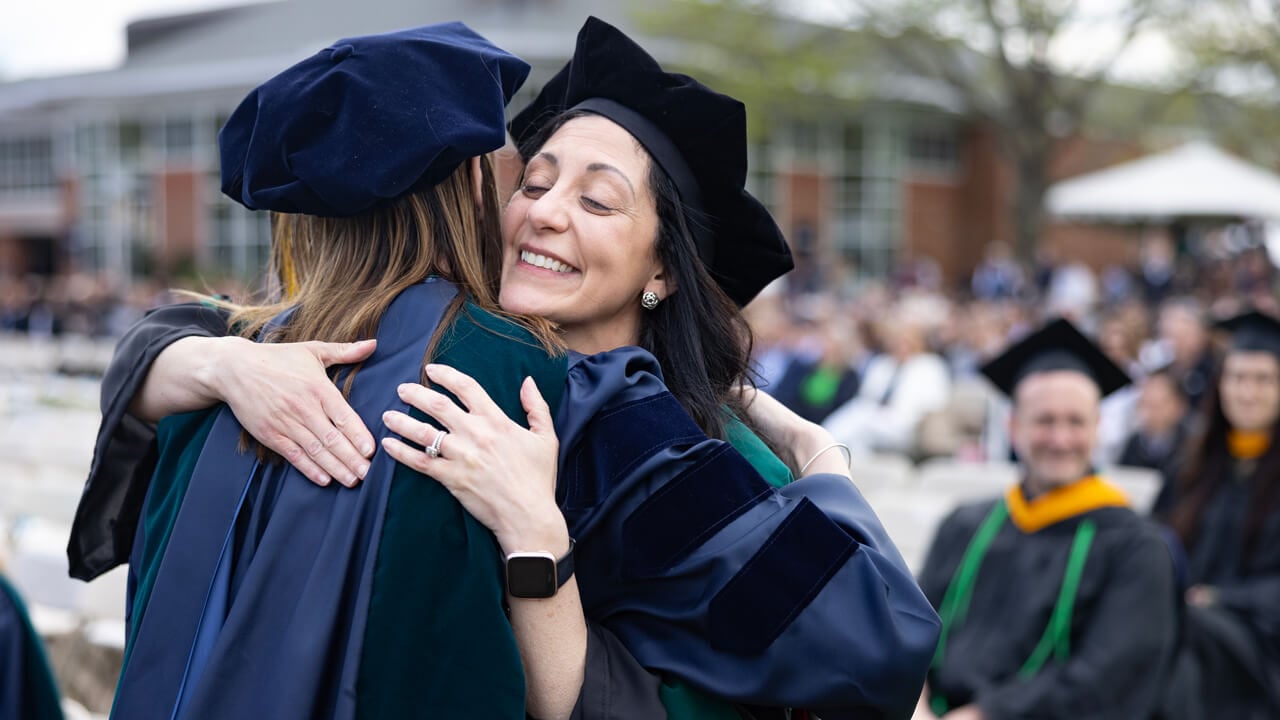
x: 366, y: 450
x: 401, y: 390
x: 432, y: 367
x: 323, y: 480
x: 363, y: 470
x: 350, y: 481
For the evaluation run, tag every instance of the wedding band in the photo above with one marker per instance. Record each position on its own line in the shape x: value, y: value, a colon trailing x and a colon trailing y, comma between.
x: 433, y: 450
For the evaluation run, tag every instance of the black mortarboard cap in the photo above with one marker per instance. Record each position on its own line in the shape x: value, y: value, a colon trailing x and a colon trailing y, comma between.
x: 368, y: 119
x: 696, y: 135
x: 1253, y: 331
x: 1056, y: 346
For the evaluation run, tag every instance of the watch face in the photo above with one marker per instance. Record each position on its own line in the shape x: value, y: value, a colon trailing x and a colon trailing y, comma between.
x: 531, y: 575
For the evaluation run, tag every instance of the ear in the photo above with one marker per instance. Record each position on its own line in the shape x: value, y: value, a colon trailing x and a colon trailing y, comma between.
x: 477, y: 181
x: 662, y: 283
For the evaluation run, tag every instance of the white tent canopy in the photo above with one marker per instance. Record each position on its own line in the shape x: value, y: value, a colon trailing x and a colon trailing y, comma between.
x: 1190, y: 181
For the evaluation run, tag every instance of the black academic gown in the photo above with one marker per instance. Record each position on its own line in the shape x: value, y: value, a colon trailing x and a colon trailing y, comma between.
x: 1235, y: 644
x: 1166, y: 457
x: 1122, y: 631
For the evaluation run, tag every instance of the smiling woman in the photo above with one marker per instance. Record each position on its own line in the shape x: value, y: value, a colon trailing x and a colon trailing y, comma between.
x: 1227, y: 512
x: 578, y: 206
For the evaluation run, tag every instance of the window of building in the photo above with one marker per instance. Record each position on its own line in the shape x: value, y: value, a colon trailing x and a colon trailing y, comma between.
x: 866, y: 201
x: 805, y: 139
x: 26, y: 164
x: 760, y: 174
x: 179, y: 137
x: 934, y: 150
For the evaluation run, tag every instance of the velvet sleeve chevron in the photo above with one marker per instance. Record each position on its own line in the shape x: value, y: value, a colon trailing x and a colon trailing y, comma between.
x: 784, y: 597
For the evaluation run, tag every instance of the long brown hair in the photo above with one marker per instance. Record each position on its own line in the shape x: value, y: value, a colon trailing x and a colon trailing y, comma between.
x: 339, y: 274
x: 1210, y: 466
x: 347, y: 270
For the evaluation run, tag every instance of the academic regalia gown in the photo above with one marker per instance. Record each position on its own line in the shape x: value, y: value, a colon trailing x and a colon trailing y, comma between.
x: 1121, y: 631
x: 682, y: 591
x: 262, y: 595
x: 27, y: 689
x: 1236, y: 642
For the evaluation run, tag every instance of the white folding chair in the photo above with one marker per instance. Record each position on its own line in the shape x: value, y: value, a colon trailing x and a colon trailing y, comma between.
x: 911, y: 518
x: 873, y: 472
x: 962, y: 481
x: 38, y: 570
x: 101, y: 606
x: 1142, y: 485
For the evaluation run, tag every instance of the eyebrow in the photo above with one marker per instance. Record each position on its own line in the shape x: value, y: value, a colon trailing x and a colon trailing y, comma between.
x: 602, y: 167
x: 593, y: 167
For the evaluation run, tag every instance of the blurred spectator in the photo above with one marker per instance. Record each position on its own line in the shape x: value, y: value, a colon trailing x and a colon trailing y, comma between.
x: 998, y: 276
x: 773, y: 343
x: 815, y: 385
x: 15, y: 305
x: 1157, y: 266
x: 1121, y: 339
x: 1254, y: 273
x: 1183, y: 345
x: 977, y: 332
x: 919, y: 272
x: 1117, y: 284
x: 898, y: 389
x: 1163, y: 428
x: 1046, y: 264
x: 1072, y: 292
x: 42, y: 318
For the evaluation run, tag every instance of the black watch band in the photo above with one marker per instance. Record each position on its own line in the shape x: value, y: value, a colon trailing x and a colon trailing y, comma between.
x: 538, y: 574
x: 564, y: 566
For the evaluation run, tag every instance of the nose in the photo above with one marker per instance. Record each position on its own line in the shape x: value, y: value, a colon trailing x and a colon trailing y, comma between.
x: 1061, y: 438
x: 547, y: 212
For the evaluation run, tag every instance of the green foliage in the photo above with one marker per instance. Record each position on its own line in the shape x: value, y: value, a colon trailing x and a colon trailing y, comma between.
x: 1231, y: 67
x: 777, y: 65
x: 1006, y: 59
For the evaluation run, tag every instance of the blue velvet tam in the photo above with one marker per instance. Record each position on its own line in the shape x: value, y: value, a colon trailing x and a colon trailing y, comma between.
x: 695, y: 134
x: 367, y: 120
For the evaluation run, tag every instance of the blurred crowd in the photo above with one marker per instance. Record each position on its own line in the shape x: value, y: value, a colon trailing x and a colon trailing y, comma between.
x: 81, y: 303
x: 891, y: 366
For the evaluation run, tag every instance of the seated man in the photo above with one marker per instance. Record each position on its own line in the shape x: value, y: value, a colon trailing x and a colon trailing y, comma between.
x: 1057, y: 600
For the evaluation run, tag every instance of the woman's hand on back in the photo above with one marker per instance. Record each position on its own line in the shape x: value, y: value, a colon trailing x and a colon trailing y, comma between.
x: 502, y: 474
x: 282, y: 395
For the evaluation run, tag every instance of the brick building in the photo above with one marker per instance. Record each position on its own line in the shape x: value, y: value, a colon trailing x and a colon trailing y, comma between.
x: 116, y: 171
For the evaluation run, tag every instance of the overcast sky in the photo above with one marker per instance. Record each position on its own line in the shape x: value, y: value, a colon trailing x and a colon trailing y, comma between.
x: 51, y: 37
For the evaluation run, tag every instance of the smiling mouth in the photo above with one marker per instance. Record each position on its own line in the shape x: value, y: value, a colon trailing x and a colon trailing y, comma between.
x: 542, y: 261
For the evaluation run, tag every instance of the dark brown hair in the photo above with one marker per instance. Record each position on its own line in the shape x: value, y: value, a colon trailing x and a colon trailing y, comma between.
x: 697, y: 334
x: 1210, y: 466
